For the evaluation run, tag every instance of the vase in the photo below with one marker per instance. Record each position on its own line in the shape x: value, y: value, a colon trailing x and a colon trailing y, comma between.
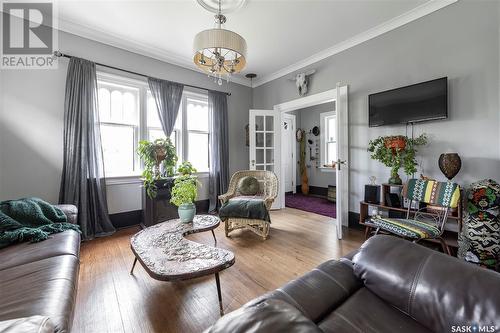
x: 187, y: 212
x: 449, y: 164
x: 304, y: 183
x: 395, y: 143
x: 395, y: 179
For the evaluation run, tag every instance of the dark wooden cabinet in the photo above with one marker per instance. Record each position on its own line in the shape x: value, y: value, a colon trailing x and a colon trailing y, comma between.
x: 159, y: 209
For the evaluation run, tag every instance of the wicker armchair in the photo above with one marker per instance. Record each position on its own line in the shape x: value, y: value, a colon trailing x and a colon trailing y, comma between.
x: 268, y: 192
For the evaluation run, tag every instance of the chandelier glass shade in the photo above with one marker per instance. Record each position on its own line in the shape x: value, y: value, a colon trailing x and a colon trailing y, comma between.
x: 219, y: 52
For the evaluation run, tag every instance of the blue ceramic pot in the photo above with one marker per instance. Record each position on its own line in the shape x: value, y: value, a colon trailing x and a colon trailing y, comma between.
x: 187, y: 212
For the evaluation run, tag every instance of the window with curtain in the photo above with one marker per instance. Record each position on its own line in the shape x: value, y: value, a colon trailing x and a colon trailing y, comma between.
x: 128, y: 114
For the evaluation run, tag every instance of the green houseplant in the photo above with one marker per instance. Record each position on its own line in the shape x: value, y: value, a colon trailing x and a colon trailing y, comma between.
x: 396, y: 152
x: 183, y: 195
x: 186, y: 168
x: 154, y: 154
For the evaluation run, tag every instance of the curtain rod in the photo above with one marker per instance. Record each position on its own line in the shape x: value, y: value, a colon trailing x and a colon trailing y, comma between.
x: 60, y: 54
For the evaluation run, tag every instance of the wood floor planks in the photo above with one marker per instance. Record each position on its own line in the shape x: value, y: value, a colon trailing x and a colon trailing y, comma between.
x: 111, y: 300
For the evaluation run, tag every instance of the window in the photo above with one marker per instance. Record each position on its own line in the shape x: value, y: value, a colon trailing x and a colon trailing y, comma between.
x: 328, y: 138
x: 119, y: 116
x: 128, y: 114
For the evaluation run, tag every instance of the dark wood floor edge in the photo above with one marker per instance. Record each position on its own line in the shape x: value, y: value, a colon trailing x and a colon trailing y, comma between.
x: 353, y: 222
x: 134, y: 217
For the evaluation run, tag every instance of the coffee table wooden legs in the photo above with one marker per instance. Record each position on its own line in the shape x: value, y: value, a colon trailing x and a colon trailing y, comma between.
x: 219, y: 294
x: 133, y: 266
x: 215, y: 239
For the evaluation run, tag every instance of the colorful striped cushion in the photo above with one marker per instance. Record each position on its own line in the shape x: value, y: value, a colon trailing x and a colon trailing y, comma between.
x: 406, y: 227
x: 446, y: 194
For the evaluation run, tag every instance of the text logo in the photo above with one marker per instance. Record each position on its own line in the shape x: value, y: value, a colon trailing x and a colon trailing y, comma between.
x: 28, y: 35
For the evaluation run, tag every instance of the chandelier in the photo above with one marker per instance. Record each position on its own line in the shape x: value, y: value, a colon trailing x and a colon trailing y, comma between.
x: 219, y: 52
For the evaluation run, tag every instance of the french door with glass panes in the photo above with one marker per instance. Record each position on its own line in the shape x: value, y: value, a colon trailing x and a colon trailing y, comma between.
x: 264, y: 142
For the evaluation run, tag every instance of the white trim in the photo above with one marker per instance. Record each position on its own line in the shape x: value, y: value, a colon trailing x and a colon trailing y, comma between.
x: 293, y: 148
x: 394, y: 23
x: 135, y: 47
x: 339, y: 95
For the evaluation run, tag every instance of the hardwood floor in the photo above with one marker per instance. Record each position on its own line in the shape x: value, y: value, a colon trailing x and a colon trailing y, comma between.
x: 111, y: 300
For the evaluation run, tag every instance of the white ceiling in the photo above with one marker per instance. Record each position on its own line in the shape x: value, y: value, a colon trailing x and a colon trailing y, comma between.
x: 282, y: 36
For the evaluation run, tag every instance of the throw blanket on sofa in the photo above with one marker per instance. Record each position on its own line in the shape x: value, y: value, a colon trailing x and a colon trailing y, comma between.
x: 30, y: 219
x: 245, y: 209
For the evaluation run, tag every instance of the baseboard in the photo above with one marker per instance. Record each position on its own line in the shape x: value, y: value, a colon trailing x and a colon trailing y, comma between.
x: 353, y: 222
x: 134, y: 217
x: 126, y: 219
x: 315, y: 190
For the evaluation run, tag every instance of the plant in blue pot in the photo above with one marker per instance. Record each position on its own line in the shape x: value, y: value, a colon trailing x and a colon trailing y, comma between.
x: 183, y: 195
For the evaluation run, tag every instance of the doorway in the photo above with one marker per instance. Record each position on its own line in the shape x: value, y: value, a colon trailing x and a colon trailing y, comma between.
x: 315, y: 176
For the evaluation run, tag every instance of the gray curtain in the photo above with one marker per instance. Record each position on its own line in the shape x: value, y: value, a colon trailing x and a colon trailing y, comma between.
x: 218, y: 147
x: 82, y: 181
x: 168, y: 96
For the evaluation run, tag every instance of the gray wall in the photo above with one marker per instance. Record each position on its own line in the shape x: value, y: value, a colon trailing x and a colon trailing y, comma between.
x: 306, y: 119
x: 31, y: 121
x: 460, y: 41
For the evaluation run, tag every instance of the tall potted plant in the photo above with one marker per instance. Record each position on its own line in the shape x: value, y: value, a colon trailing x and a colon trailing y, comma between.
x: 396, y: 152
x: 160, y: 152
x: 183, y: 195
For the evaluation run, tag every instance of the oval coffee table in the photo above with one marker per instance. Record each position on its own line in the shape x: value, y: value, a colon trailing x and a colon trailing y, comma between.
x: 166, y: 255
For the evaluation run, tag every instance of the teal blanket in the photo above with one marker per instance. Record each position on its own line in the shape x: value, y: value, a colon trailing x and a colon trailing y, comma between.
x: 30, y: 219
x: 245, y: 209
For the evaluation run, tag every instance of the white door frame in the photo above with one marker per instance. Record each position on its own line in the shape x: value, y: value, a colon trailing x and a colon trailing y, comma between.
x: 293, y: 148
x: 304, y: 102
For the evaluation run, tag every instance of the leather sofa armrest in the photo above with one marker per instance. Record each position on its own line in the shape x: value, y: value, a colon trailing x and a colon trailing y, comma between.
x: 71, y: 212
x: 319, y: 291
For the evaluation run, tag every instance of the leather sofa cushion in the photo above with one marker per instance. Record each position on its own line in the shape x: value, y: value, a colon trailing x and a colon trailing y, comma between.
x: 66, y: 242
x: 71, y: 212
x: 32, y: 324
x: 435, y: 289
x: 321, y: 290
x: 45, y: 287
x: 365, y: 312
x: 267, y: 315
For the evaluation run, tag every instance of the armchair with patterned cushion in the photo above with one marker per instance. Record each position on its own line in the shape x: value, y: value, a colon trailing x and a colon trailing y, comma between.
x: 422, y: 225
x: 248, y: 200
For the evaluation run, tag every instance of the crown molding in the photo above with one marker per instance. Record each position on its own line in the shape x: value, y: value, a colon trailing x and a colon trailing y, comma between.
x: 394, y: 23
x: 135, y: 47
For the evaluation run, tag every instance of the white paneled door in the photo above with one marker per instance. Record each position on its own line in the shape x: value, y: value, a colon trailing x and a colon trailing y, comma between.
x: 265, y: 143
x: 342, y: 166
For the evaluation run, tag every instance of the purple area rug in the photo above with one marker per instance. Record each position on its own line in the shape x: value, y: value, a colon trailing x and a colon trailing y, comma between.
x: 311, y: 204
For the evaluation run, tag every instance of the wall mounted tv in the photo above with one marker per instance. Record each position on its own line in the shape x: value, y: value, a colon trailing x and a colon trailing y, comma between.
x: 419, y: 102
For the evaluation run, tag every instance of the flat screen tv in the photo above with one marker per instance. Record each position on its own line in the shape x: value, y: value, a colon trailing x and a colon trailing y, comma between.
x: 419, y: 102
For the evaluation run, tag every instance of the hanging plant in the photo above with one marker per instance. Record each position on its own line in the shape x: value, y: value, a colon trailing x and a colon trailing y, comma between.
x: 396, y: 152
x: 157, y: 155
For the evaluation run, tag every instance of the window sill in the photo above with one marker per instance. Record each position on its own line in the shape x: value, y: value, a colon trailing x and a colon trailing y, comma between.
x: 327, y: 169
x: 136, y: 179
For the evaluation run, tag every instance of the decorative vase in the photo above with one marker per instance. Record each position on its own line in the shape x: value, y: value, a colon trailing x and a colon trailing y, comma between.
x: 395, y: 179
x: 395, y: 143
x: 304, y: 186
x: 450, y: 164
x: 187, y: 212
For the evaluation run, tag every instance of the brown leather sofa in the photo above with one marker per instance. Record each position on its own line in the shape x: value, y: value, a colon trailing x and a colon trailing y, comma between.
x: 40, y: 279
x: 389, y: 285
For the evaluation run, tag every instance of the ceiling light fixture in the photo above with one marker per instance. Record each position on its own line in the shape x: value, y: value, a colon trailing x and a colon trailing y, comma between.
x: 219, y: 52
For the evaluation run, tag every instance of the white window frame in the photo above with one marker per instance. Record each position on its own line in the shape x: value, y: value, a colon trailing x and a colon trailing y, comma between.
x: 142, y: 133
x: 185, y: 138
x: 324, y: 116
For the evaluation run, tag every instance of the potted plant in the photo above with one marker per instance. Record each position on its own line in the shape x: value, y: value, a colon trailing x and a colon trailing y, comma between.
x: 186, y: 168
x: 183, y: 195
x: 396, y: 152
x: 160, y: 152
